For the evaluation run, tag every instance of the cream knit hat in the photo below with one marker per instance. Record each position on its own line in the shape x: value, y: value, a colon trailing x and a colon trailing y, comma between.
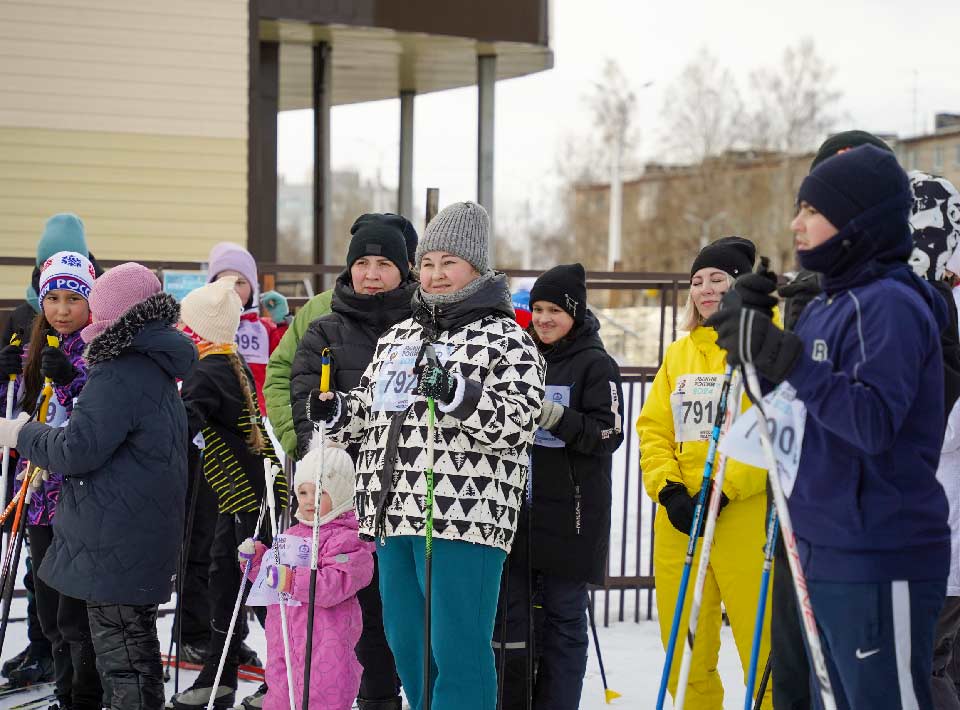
x: 337, y: 479
x: 213, y: 311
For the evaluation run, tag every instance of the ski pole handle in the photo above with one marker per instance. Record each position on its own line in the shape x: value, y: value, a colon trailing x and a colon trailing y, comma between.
x: 325, y: 370
x: 47, y: 394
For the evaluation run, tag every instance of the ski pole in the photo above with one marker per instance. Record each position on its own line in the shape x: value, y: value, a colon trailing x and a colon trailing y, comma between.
x: 431, y: 355
x: 772, y: 529
x: 608, y: 695
x: 236, y: 606
x: 271, y: 472
x: 502, y: 661
x: 315, y: 545
x: 686, y: 654
x: 177, y: 637
x: 5, y: 475
x: 694, y: 534
x: 19, y: 528
x: 786, y: 527
x: 763, y: 684
x: 530, y: 629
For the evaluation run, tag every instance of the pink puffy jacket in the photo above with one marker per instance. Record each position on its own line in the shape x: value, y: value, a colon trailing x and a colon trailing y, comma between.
x: 345, y: 567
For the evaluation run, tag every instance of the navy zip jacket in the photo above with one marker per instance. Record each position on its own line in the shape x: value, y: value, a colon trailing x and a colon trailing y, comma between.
x: 866, y: 505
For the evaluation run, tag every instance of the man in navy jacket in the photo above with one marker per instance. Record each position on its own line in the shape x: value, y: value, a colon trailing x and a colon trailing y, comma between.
x: 865, y: 359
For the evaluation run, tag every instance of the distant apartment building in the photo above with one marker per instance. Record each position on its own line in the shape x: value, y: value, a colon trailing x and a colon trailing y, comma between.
x: 669, y: 210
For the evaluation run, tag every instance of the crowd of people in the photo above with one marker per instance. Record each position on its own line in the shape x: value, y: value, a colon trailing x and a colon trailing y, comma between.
x: 450, y: 457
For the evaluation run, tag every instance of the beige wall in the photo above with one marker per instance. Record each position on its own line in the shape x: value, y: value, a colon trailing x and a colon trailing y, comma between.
x: 132, y: 115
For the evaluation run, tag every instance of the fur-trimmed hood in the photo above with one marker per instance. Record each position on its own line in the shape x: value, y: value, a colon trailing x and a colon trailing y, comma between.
x: 147, y: 328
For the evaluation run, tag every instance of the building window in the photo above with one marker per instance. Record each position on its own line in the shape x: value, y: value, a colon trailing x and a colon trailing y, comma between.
x: 911, y: 160
x: 956, y: 158
x: 938, y: 158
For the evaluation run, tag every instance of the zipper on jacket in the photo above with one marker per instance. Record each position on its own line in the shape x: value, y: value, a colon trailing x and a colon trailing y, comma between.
x: 577, y: 498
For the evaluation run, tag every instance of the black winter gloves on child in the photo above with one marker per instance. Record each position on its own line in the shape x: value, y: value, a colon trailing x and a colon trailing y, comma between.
x: 756, y: 291
x: 774, y: 352
x: 680, y: 506
x: 11, y: 361
x: 57, y: 366
x: 798, y: 293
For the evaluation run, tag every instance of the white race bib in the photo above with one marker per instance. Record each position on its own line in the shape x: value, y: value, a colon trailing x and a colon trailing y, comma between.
x: 56, y: 413
x: 294, y: 552
x: 694, y: 404
x: 786, y: 420
x: 396, y: 386
x: 561, y: 395
x: 253, y: 342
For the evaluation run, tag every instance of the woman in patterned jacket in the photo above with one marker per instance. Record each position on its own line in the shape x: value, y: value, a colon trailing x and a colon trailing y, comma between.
x: 488, y: 381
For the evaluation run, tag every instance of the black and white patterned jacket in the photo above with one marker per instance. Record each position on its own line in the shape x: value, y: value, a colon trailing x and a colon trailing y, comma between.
x: 482, y: 438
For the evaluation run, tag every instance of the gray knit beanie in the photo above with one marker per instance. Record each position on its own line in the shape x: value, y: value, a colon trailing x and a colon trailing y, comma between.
x: 461, y: 229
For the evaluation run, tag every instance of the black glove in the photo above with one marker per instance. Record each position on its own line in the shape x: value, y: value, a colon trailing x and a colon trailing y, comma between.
x: 680, y: 506
x: 756, y: 290
x: 321, y: 410
x: 774, y: 352
x: 436, y: 382
x: 798, y: 293
x: 11, y: 360
x: 57, y: 366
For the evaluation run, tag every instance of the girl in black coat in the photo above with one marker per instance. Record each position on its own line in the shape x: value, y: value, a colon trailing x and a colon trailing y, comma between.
x: 373, y: 294
x: 223, y: 422
x: 564, y: 531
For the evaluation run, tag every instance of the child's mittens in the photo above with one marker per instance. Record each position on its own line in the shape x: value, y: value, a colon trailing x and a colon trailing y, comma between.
x: 280, y: 577
x: 247, y: 551
x: 276, y: 305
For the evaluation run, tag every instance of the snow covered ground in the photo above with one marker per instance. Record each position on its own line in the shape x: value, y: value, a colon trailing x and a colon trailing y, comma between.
x: 632, y: 656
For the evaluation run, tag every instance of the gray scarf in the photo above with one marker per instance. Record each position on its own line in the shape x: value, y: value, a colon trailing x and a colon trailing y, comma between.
x: 445, y: 299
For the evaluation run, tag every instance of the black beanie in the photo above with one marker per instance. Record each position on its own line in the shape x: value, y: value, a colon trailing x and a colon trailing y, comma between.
x: 735, y: 255
x: 844, y: 186
x: 845, y: 140
x: 410, y: 236
x: 379, y: 235
x: 564, y: 286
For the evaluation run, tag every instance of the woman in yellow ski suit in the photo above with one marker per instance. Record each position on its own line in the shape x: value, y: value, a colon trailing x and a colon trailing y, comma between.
x: 672, y: 457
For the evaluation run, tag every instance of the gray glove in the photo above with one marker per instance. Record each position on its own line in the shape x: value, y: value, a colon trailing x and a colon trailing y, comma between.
x: 550, y: 415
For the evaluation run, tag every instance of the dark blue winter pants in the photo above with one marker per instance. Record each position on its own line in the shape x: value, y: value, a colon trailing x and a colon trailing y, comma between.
x: 878, y: 641
x: 466, y: 580
x: 561, y: 641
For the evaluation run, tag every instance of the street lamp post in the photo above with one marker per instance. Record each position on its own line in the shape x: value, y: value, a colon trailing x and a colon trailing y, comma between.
x: 705, y: 224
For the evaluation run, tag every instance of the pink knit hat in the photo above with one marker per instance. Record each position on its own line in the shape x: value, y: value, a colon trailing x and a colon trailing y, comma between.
x: 227, y: 256
x: 115, y: 293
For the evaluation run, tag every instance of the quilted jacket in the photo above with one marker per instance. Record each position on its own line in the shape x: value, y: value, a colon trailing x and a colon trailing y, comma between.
x: 119, y: 519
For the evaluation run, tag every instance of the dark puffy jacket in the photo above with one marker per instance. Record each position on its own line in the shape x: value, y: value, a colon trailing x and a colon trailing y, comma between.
x: 124, y: 455
x: 351, y: 331
x: 571, y: 466
x: 217, y: 410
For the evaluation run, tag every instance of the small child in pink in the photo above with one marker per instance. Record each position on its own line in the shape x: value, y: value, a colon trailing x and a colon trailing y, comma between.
x: 345, y: 566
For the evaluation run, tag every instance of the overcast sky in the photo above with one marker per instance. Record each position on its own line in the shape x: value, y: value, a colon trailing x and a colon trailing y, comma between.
x: 884, y: 52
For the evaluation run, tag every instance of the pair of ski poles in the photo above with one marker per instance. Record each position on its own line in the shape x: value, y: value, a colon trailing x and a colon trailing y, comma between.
x: 11, y: 560
x: 270, y: 473
x: 268, y: 503
x: 779, y: 518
